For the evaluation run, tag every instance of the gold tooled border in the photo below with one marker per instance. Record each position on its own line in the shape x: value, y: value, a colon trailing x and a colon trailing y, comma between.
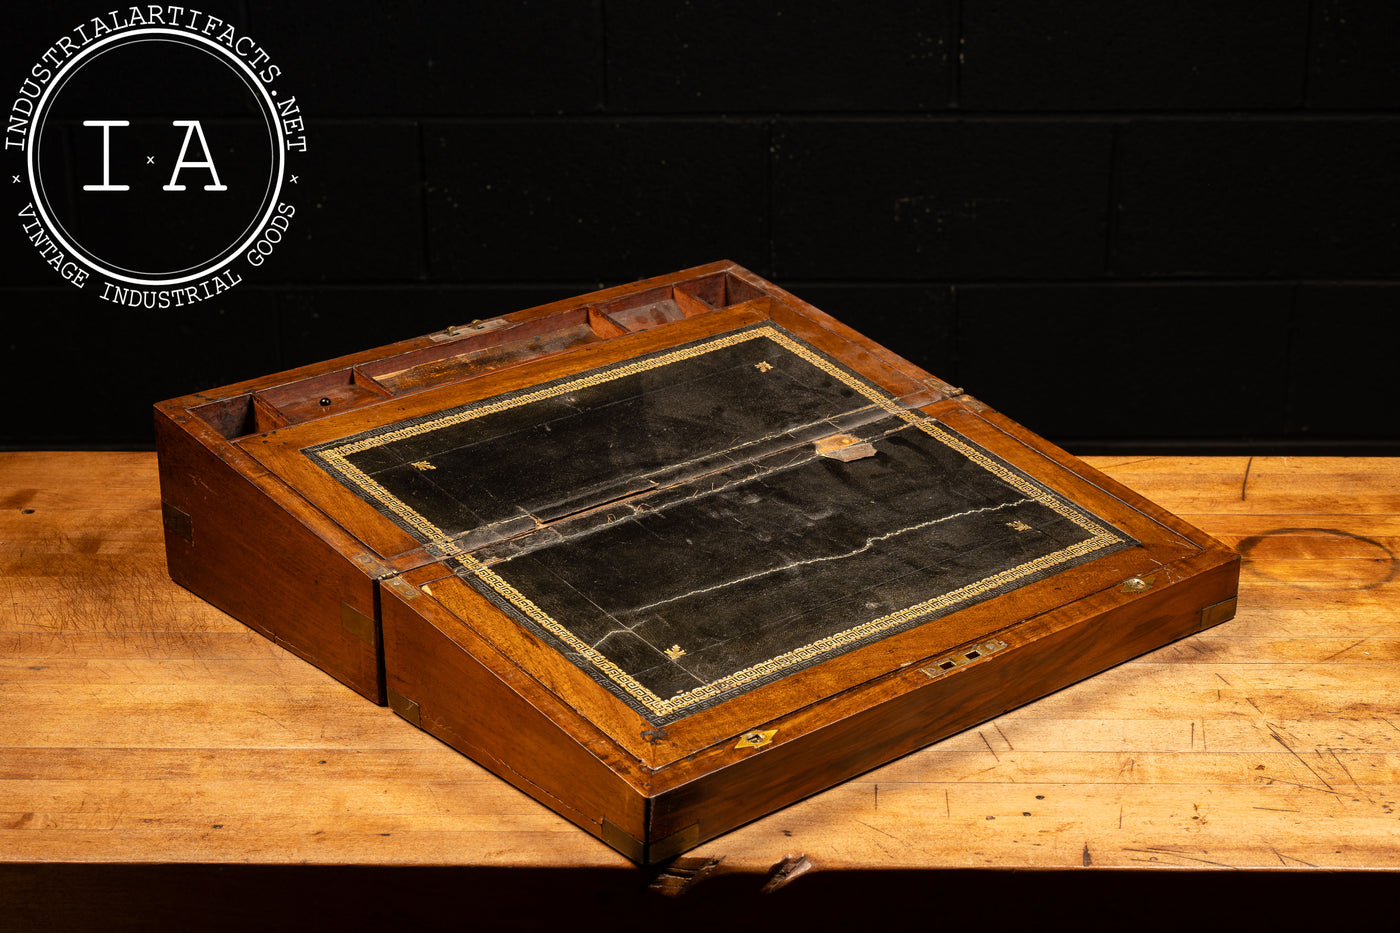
x: 334, y: 459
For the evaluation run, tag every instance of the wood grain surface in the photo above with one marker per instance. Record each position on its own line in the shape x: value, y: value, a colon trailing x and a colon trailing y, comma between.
x: 138, y: 725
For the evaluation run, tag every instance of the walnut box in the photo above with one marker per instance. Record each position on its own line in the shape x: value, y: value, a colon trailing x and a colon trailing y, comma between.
x: 672, y: 555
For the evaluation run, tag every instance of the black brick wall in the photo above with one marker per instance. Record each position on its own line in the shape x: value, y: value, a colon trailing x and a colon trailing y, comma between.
x: 1131, y: 225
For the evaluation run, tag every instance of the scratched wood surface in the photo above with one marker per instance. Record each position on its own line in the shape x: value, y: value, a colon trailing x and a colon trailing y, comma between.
x: 139, y: 725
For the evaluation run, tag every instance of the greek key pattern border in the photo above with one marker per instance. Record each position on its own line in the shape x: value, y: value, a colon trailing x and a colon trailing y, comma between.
x: 334, y: 458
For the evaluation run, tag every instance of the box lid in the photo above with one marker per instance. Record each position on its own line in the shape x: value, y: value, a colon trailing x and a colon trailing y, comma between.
x: 724, y: 512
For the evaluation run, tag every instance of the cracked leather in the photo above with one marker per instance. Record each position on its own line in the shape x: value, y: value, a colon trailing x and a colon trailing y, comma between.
x: 670, y: 526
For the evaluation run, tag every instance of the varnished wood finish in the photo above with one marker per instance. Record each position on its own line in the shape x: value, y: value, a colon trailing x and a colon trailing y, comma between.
x: 258, y: 528
x: 143, y: 725
x: 242, y: 542
x: 510, y: 724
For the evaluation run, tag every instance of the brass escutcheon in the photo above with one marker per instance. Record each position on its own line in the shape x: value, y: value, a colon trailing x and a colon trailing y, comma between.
x: 756, y: 738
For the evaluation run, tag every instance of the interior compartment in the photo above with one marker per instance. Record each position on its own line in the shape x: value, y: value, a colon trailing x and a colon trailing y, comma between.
x: 502, y: 346
x: 469, y: 350
x: 720, y: 290
x: 651, y: 308
x: 239, y: 416
x: 657, y: 306
x: 327, y: 394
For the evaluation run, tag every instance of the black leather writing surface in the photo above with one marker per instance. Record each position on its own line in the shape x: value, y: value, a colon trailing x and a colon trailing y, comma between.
x: 670, y: 526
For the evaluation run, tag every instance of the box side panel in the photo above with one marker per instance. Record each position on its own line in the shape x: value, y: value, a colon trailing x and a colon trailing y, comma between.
x: 763, y: 779
x: 229, y: 542
x: 461, y: 690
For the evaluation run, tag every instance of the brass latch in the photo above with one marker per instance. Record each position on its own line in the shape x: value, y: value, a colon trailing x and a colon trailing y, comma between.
x: 946, y: 664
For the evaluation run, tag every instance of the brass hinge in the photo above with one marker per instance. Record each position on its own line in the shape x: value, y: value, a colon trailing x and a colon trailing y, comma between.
x: 369, y: 565
x: 402, y: 587
x: 942, y: 389
x: 470, y: 329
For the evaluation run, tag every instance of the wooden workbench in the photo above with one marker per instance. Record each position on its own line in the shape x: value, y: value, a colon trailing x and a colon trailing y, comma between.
x: 142, y: 731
